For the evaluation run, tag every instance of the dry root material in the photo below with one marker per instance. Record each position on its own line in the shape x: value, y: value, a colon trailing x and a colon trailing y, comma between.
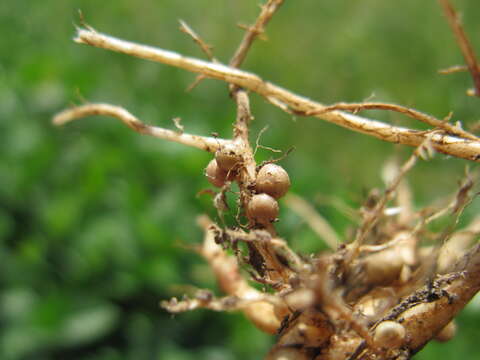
x: 384, y: 293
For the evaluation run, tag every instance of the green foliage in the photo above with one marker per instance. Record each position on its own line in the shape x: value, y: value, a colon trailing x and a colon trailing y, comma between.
x: 92, y: 216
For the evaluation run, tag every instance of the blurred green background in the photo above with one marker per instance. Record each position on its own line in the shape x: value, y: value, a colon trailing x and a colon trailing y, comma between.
x: 95, y: 219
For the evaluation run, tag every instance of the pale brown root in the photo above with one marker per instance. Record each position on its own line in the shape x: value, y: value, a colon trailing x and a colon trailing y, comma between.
x: 262, y: 313
x: 372, y: 216
x: 240, y: 96
x: 404, y: 197
x: 412, y: 113
x: 241, y: 134
x: 376, y: 303
x: 307, y: 331
x: 384, y: 265
x: 342, y: 347
x: 277, y: 272
x: 244, y: 116
x: 288, y: 101
x: 421, y: 316
x: 204, y: 299
x: 457, y: 245
x: 455, y: 207
x: 429, y: 310
x: 453, y: 69
x: 197, y: 39
x: 425, y: 320
x: 331, y: 300
x: 316, y: 222
x: 279, y: 246
x: 241, y: 128
x: 206, y: 143
x: 395, y: 259
x: 345, y: 305
x: 203, y: 46
x: 271, y: 249
x: 267, y: 12
x: 463, y: 43
x: 399, y: 237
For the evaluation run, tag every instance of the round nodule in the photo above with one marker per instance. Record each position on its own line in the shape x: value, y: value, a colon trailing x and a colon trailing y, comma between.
x: 447, y: 333
x: 389, y: 334
x: 263, y: 208
x: 228, y: 158
x: 273, y: 180
x: 214, y: 174
x: 288, y: 353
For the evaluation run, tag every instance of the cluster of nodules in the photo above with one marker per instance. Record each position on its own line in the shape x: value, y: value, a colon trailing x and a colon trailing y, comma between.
x: 272, y: 182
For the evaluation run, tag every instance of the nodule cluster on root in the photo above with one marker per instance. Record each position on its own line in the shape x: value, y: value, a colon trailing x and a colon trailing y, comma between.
x: 271, y: 183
